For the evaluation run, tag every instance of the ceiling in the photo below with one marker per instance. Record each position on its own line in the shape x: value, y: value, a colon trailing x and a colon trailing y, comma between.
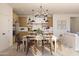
x: 26, y: 8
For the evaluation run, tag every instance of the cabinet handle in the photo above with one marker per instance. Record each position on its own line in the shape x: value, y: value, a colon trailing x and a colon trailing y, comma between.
x: 3, y: 33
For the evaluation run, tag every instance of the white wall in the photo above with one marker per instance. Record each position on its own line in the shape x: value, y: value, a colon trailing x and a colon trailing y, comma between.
x: 6, y: 27
x: 74, y: 23
x: 60, y: 28
x: 66, y: 17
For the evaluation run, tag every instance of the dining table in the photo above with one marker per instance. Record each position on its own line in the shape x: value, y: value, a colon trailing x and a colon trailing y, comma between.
x: 37, y: 38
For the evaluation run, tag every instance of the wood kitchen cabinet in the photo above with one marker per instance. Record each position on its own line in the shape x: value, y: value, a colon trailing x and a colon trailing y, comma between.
x: 22, y: 21
x: 50, y: 21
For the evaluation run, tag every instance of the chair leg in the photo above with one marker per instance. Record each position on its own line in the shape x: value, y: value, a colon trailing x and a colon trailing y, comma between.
x: 35, y: 43
x: 24, y: 46
x: 42, y: 47
x: 27, y: 50
x: 18, y: 47
x: 50, y: 49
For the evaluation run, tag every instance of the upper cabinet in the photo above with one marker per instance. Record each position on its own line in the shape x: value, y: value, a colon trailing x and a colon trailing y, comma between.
x: 50, y: 21
x: 22, y: 21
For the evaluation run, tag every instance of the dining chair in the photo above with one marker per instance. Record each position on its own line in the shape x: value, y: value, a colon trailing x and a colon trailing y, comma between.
x: 19, y: 42
x: 47, y: 42
x: 30, y: 42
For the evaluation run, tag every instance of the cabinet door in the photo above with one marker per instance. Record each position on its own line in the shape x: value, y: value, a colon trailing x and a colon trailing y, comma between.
x: 3, y: 33
x: 50, y: 21
x: 77, y: 43
x: 22, y: 21
x: 3, y: 41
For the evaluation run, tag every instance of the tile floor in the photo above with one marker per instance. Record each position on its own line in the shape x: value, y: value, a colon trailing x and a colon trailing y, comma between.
x: 64, y: 52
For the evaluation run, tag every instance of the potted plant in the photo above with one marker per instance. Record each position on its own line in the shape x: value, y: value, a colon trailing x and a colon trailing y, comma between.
x: 39, y: 36
x: 39, y: 31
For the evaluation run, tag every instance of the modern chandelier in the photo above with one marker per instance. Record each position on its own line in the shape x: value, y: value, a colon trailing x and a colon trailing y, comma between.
x: 41, y: 12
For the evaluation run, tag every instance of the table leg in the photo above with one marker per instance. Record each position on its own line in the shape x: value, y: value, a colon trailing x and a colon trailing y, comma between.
x: 35, y: 47
x: 24, y: 45
x: 55, y: 46
x: 51, y: 47
x: 28, y: 46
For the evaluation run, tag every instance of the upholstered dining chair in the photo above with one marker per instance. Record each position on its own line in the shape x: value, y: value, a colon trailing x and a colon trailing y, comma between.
x: 18, y: 42
x: 47, y: 42
x: 30, y: 42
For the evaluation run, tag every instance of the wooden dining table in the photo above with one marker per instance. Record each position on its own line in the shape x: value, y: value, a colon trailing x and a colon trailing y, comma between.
x: 29, y: 39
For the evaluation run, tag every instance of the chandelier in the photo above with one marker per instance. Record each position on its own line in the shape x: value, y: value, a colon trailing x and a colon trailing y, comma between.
x: 41, y: 12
